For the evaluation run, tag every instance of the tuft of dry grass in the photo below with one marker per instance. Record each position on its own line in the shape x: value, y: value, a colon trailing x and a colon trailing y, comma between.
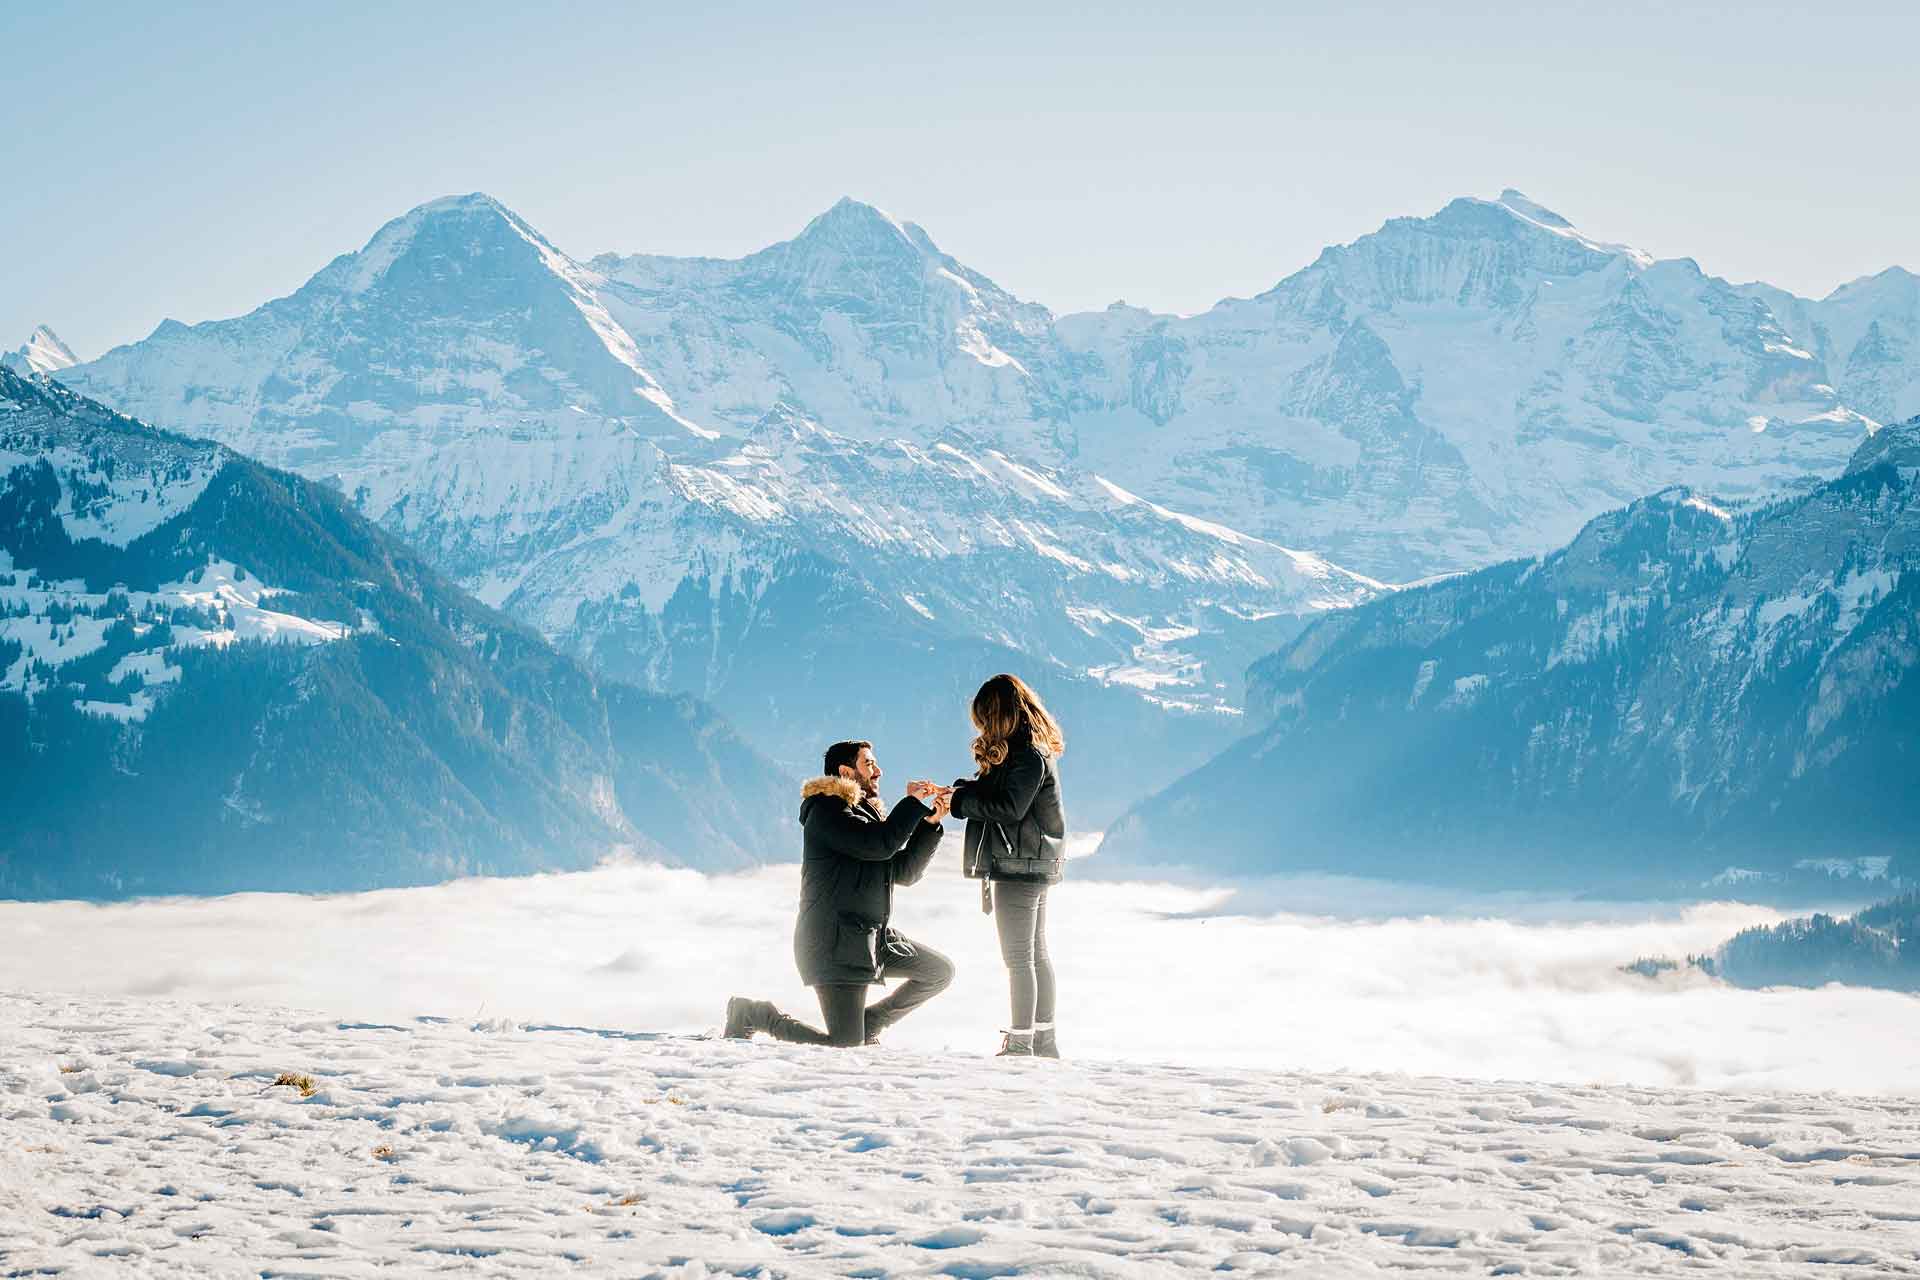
x: 385, y: 1152
x: 71, y: 1069
x: 1332, y: 1105
x: 294, y: 1080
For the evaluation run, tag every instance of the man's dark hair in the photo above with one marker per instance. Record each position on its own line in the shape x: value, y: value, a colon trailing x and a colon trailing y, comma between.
x: 844, y: 753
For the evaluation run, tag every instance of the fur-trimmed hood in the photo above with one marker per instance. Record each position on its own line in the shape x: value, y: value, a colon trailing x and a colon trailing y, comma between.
x: 845, y: 788
x: 819, y: 790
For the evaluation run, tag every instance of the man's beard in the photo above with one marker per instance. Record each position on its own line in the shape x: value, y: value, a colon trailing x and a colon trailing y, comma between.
x: 869, y: 790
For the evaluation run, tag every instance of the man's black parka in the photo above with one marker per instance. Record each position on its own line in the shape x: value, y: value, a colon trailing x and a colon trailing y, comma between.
x: 854, y: 855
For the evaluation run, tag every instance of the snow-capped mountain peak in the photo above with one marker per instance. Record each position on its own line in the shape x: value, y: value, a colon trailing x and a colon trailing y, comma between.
x: 1472, y: 253
x: 476, y: 222
x: 857, y: 295
x: 1539, y: 215
x: 42, y: 352
x: 856, y: 226
x: 853, y: 255
x: 455, y: 319
x: 1520, y: 203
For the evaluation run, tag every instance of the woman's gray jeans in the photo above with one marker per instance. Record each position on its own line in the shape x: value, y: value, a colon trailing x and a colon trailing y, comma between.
x: 1020, y: 915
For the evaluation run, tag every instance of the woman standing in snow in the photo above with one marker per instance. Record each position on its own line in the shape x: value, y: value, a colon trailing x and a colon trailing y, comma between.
x: 1016, y: 846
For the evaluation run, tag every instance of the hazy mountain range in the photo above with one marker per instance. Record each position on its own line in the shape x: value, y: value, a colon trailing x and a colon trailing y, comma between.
x: 829, y: 485
x: 1681, y: 698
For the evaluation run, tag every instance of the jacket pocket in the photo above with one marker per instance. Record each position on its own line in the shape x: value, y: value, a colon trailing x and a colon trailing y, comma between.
x: 853, y: 946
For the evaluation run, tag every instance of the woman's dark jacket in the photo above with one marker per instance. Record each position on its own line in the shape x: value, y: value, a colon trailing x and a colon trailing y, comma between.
x: 854, y: 855
x: 1022, y: 796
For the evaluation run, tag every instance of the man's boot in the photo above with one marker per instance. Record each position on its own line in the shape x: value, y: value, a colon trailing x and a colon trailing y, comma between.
x: 1044, y: 1045
x: 1016, y: 1044
x: 744, y: 1017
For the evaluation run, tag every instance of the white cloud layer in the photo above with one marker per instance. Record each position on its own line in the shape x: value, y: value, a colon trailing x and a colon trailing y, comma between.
x: 1148, y: 972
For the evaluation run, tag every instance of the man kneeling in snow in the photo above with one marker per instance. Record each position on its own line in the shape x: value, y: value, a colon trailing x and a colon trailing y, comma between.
x: 855, y: 853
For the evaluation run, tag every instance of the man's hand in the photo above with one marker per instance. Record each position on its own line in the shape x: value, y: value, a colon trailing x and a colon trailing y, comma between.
x: 922, y: 791
x: 942, y: 805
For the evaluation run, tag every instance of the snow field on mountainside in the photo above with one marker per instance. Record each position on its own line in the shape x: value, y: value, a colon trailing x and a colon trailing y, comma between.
x: 150, y: 1138
x: 52, y: 623
x: 115, y: 504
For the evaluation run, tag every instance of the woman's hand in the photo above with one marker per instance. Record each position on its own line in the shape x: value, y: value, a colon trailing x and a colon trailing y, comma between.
x: 922, y: 791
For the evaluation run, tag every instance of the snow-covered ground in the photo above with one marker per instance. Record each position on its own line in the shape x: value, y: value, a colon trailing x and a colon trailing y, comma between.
x: 147, y: 1137
x: 509, y: 1076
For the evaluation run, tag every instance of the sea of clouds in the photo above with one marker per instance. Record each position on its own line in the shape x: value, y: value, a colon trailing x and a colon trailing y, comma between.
x: 1148, y: 972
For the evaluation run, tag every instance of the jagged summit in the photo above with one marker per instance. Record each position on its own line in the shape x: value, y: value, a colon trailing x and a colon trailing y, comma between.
x: 474, y: 226
x: 852, y: 234
x: 1536, y: 214
x: 858, y: 297
x: 1471, y: 217
x: 1472, y: 253
x: 849, y: 215
x: 1532, y: 210
x: 42, y: 352
x: 455, y: 318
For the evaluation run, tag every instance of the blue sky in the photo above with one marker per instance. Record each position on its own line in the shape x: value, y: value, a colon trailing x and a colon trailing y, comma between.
x: 192, y: 161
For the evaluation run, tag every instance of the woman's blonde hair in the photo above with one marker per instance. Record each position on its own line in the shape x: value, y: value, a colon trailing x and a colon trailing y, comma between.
x: 1006, y: 709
